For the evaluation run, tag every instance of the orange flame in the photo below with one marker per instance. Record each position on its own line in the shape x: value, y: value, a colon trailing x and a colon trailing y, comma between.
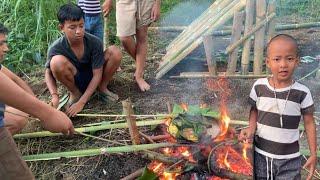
x: 169, y: 176
x: 184, y: 106
x: 244, y: 151
x: 226, y: 163
x: 224, y: 125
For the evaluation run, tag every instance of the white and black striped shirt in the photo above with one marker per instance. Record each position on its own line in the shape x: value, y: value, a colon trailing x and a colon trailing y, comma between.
x: 91, y: 7
x: 272, y: 139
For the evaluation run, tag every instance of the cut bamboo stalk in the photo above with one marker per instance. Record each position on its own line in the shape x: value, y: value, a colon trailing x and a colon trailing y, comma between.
x: 250, y: 33
x: 134, y: 175
x: 131, y: 120
x: 236, y: 35
x: 208, y: 47
x: 121, y: 115
x: 227, y: 31
x: 214, y: 8
x: 198, y: 31
x: 168, y: 28
x: 259, y: 37
x: 87, y: 129
x: 247, y: 44
x: 271, y: 27
x: 200, y: 27
x: 195, y: 43
x: 95, y: 152
x: 105, y: 33
x: 219, y: 75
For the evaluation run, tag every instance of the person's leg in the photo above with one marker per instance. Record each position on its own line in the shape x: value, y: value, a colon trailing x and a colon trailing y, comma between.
x: 15, y: 120
x: 98, y: 27
x: 288, y: 169
x: 141, y: 56
x: 64, y: 71
x: 12, y: 166
x: 112, y: 56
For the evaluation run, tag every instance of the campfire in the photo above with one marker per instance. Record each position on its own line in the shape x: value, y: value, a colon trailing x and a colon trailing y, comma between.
x: 211, y: 149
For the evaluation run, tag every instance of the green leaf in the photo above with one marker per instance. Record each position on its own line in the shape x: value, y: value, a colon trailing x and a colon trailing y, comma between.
x: 177, y: 109
x: 148, y: 175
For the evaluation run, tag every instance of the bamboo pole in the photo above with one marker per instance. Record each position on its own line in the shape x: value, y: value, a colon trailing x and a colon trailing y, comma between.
x: 271, y: 27
x: 95, y: 152
x: 208, y: 47
x: 105, y: 33
x: 133, y: 129
x: 259, y: 37
x: 122, y: 115
x: 213, y: 9
x: 195, y: 43
x: 219, y: 75
x: 227, y: 31
x: 87, y: 129
x: 247, y: 44
x: 169, y: 28
x: 250, y: 33
x: 236, y: 34
x: 133, y: 175
x: 199, y: 28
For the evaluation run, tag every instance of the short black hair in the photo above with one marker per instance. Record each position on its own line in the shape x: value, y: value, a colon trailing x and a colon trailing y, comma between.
x: 69, y: 12
x: 285, y: 37
x: 3, y: 29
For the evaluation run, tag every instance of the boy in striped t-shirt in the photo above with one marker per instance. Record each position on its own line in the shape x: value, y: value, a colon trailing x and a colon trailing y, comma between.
x: 278, y: 103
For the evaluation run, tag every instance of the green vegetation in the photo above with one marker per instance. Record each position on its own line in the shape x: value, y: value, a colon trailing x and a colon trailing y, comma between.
x: 33, y: 26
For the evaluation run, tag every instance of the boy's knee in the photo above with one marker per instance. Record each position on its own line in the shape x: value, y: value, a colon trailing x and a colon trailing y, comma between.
x: 115, y: 53
x: 16, y: 124
x: 58, y: 64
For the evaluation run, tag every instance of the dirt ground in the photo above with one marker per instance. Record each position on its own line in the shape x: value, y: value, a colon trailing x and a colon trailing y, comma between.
x: 191, y: 91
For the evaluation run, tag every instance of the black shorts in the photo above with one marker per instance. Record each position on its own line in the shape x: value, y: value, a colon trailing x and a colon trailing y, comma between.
x: 82, y: 80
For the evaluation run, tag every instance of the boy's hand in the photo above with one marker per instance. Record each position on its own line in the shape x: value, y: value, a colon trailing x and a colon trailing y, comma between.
x: 155, y: 12
x: 311, y: 165
x: 246, y: 134
x: 55, y: 101
x: 58, y: 122
x: 75, y: 108
x: 106, y: 7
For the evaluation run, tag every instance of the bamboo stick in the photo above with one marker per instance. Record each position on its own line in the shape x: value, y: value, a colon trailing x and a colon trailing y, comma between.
x: 94, y: 152
x: 133, y: 175
x: 214, y: 8
x: 195, y: 43
x: 236, y: 34
x: 122, y: 115
x: 87, y: 129
x: 208, y: 46
x: 247, y: 44
x: 199, y: 28
x: 271, y: 27
x: 168, y: 28
x: 219, y: 75
x: 250, y: 33
x: 227, y: 31
x: 198, y: 31
x: 259, y: 37
x: 133, y: 129
x: 105, y: 33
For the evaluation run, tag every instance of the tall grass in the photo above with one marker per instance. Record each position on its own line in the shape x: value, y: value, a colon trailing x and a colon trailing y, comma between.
x: 33, y: 27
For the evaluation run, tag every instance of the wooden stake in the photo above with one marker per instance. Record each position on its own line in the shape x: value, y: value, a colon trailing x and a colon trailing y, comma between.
x: 272, y: 23
x: 259, y: 38
x: 131, y: 120
x: 247, y: 44
x: 208, y: 47
x: 236, y: 34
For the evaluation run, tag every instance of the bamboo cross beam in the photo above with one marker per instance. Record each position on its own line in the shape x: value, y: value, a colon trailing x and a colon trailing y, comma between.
x: 250, y: 33
x: 122, y: 115
x: 95, y: 152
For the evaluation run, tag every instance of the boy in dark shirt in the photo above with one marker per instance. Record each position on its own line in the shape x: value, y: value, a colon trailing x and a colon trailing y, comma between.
x: 77, y: 60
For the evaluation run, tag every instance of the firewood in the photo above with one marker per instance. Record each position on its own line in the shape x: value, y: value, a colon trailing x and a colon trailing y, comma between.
x: 247, y: 44
x: 134, y: 175
x: 131, y: 120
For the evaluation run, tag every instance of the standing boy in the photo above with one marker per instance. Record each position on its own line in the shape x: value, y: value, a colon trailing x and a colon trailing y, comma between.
x: 77, y: 60
x: 278, y: 103
x: 133, y: 18
x: 15, y: 93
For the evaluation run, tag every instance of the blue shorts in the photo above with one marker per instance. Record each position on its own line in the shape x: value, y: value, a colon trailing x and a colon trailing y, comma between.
x: 94, y: 25
x: 82, y: 79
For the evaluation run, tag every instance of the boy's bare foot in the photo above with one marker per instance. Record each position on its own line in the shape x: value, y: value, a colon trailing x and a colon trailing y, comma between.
x: 109, y: 95
x: 143, y: 85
